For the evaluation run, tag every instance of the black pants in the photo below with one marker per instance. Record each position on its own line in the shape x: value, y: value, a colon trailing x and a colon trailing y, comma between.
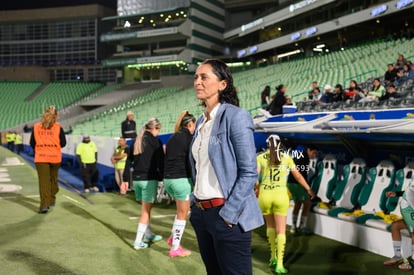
x: 10, y: 146
x: 224, y: 250
x: 90, y: 175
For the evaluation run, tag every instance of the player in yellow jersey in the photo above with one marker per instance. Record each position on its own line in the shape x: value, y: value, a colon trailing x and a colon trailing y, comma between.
x: 273, y: 167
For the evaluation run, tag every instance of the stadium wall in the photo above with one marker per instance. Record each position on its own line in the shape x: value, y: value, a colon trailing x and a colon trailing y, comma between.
x: 33, y: 73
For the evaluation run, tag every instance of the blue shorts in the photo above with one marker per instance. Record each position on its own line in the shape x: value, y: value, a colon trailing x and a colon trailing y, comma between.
x: 179, y: 189
x: 145, y: 190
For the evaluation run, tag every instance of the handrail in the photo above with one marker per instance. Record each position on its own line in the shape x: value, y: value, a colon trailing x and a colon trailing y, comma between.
x: 359, y: 76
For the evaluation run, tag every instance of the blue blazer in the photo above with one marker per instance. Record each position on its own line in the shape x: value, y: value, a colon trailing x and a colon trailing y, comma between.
x: 232, y: 153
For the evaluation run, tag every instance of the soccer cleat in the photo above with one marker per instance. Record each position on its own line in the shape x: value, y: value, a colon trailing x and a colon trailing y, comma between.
x: 96, y: 189
x: 86, y: 190
x: 152, y: 238
x: 407, y: 265
x: 179, y: 252
x: 293, y: 231
x: 272, y: 263
x: 281, y: 270
x: 306, y: 231
x: 140, y: 245
x: 394, y: 260
x: 169, y: 241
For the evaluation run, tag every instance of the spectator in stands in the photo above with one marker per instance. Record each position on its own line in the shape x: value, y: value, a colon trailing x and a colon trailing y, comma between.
x: 18, y: 142
x: 128, y: 126
x: 265, y: 96
x: 119, y: 160
x: 407, y: 211
x: 273, y: 167
x: 299, y: 194
x: 327, y: 97
x: 339, y: 94
x: 223, y: 159
x: 406, y: 74
x: 376, y: 93
x: 276, y: 106
x: 390, y: 75
x: 87, y: 156
x: 352, y: 93
x: 315, y: 94
x: 391, y: 93
x: 400, y: 61
x: 147, y: 158
x: 410, y: 64
x: 47, y: 139
x: 312, y: 91
x: 177, y: 178
x: 10, y: 137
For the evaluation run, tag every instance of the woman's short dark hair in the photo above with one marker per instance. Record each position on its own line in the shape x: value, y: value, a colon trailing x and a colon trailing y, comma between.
x: 279, y: 87
x: 222, y: 71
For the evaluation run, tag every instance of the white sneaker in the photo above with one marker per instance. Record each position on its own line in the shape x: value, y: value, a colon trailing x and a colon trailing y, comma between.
x: 96, y: 189
x: 86, y: 190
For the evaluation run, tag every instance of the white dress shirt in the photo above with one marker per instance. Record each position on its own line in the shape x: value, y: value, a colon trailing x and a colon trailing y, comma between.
x: 206, y: 184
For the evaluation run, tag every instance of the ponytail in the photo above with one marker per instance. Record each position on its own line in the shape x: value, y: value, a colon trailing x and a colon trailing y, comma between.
x: 150, y: 124
x: 182, y: 121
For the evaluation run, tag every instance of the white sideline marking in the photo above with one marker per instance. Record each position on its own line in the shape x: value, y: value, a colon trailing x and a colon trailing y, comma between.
x: 72, y: 199
x: 154, y: 217
x: 12, y: 161
x: 13, y: 198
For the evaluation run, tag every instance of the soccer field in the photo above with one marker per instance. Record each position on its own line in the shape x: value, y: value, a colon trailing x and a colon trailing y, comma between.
x: 77, y: 237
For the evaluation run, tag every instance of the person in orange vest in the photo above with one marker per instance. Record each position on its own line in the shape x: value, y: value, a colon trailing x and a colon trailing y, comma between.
x: 47, y: 140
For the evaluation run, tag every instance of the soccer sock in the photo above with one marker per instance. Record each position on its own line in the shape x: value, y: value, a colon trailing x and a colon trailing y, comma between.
x: 177, y: 233
x: 303, y: 221
x: 294, y: 221
x: 148, y: 231
x: 140, y: 232
x: 397, y: 248
x: 271, y: 238
x: 281, y: 242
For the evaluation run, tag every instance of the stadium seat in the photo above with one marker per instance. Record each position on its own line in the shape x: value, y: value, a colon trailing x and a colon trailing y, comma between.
x: 324, y: 182
x: 402, y: 179
x: 372, y: 198
x: 345, y: 195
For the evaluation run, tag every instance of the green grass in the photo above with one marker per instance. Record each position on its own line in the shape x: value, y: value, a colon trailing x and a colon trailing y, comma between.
x: 77, y: 237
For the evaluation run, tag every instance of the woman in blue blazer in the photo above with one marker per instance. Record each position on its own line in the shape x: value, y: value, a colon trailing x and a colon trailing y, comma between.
x: 224, y: 207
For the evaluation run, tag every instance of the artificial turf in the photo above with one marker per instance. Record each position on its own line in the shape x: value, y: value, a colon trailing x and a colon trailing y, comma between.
x: 77, y: 237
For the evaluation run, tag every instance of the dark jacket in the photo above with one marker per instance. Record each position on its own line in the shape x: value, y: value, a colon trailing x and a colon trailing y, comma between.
x: 128, y: 128
x: 276, y: 106
x: 177, y: 162
x: 149, y: 164
x: 302, y: 164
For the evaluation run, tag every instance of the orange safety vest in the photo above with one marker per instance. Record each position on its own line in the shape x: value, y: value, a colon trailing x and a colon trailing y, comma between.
x: 47, y: 147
